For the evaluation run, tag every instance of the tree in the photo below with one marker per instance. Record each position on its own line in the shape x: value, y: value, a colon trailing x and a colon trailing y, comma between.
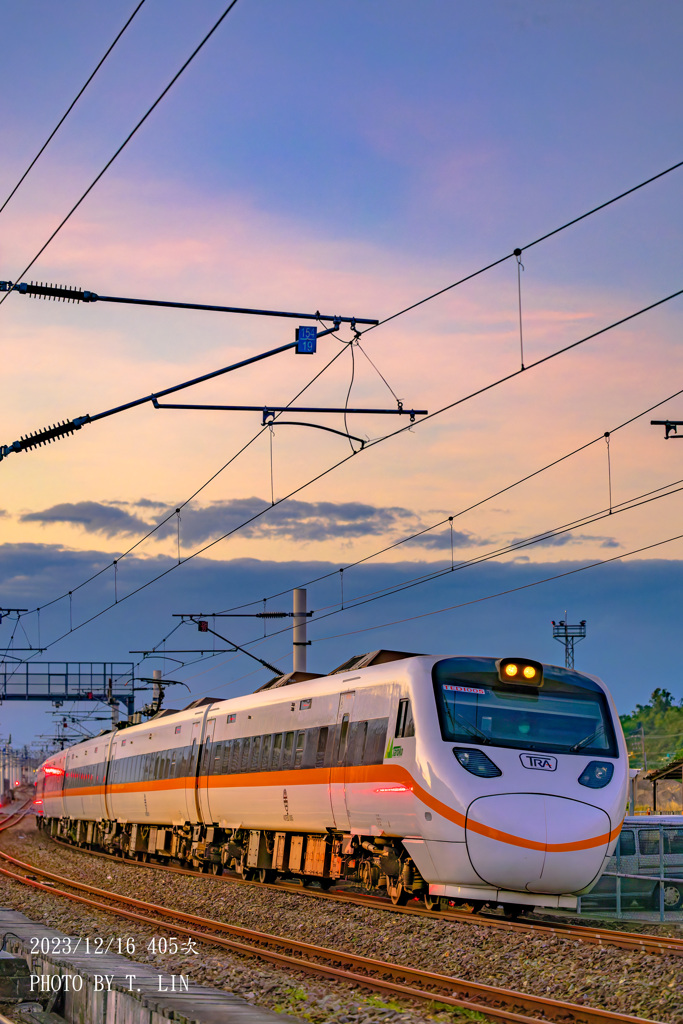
x: 661, y: 721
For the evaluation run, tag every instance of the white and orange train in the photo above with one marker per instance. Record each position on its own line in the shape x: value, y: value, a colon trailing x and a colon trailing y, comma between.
x: 481, y: 781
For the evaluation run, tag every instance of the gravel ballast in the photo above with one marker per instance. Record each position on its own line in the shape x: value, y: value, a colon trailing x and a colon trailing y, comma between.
x: 642, y: 984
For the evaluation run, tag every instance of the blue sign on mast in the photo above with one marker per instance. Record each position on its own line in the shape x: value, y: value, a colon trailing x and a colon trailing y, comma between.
x: 306, y: 339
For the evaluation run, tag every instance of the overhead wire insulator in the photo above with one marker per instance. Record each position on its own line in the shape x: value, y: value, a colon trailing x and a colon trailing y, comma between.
x: 46, y: 436
x: 49, y: 291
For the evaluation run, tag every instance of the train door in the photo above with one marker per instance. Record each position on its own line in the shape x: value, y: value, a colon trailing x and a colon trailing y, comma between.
x: 192, y: 775
x: 204, y: 780
x: 108, y: 779
x: 339, y: 759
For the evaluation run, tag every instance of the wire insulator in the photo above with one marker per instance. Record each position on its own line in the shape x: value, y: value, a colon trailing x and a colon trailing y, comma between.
x: 46, y: 436
x: 50, y: 291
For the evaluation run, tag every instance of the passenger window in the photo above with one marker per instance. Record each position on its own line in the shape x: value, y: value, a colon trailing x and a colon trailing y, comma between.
x: 236, y: 754
x: 255, y: 753
x: 265, y: 753
x: 244, y: 765
x: 405, y: 726
x: 361, y: 741
x: 322, y: 747
x: 277, y: 748
x: 343, y: 737
x: 626, y: 846
x: 299, y: 752
x: 217, y: 759
x: 287, y: 755
x: 675, y: 840
x: 648, y: 842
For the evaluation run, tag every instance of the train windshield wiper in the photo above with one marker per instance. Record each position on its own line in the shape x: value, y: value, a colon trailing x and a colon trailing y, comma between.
x: 472, y: 729
x: 588, y: 739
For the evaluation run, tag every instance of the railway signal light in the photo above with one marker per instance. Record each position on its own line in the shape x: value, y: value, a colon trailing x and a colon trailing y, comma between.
x: 203, y: 626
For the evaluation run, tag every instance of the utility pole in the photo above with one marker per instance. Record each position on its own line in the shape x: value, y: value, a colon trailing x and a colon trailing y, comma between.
x: 569, y: 635
x: 642, y: 744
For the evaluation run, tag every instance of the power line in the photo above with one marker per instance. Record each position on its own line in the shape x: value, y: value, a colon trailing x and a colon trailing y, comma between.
x: 69, y: 109
x: 542, y: 238
x: 505, y: 593
x: 341, y: 462
x: 125, y: 142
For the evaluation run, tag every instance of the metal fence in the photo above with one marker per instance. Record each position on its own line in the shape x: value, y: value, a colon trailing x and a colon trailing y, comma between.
x: 644, y: 878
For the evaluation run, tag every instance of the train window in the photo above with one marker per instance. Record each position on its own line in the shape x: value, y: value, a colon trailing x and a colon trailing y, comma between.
x: 299, y: 752
x: 405, y: 726
x: 287, y: 752
x: 244, y: 763
x: 343, y: 738
x: 265, y: 753
x: 217, y: 758
x: 255, y: 753
x: 172, y: 763
x: 227, y: 751
x: 627, y: 844
x: 277, y: 747
x: 322, y: 747
x: 361, y: 742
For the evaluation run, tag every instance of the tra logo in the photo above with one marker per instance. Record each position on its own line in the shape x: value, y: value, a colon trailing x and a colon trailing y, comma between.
x: 543, y: 762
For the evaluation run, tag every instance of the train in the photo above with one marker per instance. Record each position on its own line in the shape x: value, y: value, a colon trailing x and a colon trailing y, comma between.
x: 464, y: 780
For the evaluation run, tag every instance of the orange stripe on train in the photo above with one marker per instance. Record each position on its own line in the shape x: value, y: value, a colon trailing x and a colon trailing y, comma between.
x: 386, y: 773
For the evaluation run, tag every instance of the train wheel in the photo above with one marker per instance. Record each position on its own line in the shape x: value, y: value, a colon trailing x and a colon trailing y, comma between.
x: 266, y: 875
x: 216, y: 869
x: 511, y: 911
x: 398, y: 895
x: 476, y: 905
x: 306, y: 880
x: 326, y: 883
x: 432, y: 902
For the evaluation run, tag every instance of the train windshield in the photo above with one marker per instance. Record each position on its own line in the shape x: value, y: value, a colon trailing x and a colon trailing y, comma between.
x: 566, y: 715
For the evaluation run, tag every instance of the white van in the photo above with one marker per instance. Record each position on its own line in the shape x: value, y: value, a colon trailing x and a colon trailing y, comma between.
x: 649, y: 845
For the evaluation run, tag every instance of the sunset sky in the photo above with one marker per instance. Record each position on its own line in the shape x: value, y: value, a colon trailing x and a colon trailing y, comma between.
x: 351, y: 158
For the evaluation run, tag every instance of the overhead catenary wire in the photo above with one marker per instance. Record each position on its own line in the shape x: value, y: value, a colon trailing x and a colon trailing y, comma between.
x: 69, y: 108
x: 331, y: 468
x: 529, y: 245
x: 393, y: 316
x: 125, y: 142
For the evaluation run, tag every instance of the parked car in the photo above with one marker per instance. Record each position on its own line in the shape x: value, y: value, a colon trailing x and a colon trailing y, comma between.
x: 648, y: 846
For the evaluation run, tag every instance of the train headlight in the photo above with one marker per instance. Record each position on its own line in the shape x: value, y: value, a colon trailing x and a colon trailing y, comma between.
x: 596, y: 774
x: 477, y: 763
x: 520, y: 671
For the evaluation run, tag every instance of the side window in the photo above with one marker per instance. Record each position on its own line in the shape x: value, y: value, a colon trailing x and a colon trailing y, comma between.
x: 322, y: 747
x: 217, y: 759
x: 265, y: 753
x: 244, y: 764
x: 648, y: 842
x: 405, y: 726
x: 627, y: 844
x: 361, y: 743
x: 343, y: 739
x: 673, y: 840
x: 299, y: 751
x: 255, y: 753
x: 287, y: 753
x: 277, y: 749
x: 236, y: 754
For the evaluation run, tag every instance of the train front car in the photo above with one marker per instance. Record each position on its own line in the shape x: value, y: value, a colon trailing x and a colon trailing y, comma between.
x: 522, y: 771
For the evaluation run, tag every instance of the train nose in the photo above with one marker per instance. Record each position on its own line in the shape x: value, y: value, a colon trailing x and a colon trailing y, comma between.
x: 537, y: 842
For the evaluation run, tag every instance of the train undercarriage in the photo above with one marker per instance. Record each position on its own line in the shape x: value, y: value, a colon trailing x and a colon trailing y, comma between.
x: 374, y: 863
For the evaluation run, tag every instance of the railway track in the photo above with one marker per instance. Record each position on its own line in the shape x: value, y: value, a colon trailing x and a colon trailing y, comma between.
x: 396, y: 980
x: 635, y: 941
